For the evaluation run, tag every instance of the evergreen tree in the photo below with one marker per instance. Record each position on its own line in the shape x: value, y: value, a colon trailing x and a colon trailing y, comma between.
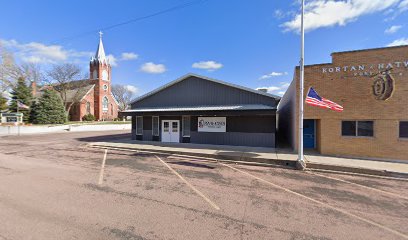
x: 3, y: 103
x: 49, y: 109
x: 33, y: 110
x: 22, y: 93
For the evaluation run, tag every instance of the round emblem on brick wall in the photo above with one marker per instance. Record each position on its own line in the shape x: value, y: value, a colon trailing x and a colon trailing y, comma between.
x: 383, y: 86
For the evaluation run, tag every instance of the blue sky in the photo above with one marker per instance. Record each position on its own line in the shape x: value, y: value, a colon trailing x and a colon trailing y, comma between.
x: 246, y: 42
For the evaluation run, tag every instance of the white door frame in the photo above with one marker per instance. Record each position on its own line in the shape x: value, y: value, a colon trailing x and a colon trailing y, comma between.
x: 170, y: 135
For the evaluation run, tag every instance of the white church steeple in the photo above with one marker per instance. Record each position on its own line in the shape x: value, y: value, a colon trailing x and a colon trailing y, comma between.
x: 100, y: 52
x: 99, y: 65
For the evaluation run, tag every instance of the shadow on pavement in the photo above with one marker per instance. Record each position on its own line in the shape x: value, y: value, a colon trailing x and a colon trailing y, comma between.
x: 190, y: 164
x: 106, y: 138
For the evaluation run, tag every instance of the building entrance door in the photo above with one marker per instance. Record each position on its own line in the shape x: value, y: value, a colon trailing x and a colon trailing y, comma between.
x: 170, y: 131
x: 309, y: 130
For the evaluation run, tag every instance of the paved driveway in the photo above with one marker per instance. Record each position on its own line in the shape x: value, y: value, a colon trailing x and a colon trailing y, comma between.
x: 53, y: 187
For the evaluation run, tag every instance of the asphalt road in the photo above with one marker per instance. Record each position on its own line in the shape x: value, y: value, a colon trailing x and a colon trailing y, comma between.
x: 49, y: 189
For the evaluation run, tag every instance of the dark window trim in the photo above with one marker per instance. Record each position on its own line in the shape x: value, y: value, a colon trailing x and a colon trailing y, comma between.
x: 399, y: 130
x: 137, y: 127
x: 158, y: 126
x: 182, y: 129
x: 356, y: 133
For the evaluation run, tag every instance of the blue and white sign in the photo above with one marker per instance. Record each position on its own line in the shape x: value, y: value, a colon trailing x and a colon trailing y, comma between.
x: 212, y: 124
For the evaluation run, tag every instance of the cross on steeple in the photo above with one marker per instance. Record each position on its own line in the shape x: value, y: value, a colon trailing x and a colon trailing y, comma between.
x: 100, y: 34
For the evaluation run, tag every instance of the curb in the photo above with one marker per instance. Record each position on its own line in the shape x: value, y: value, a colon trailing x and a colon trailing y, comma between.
x: 367, y: 171
x: 267, y: 162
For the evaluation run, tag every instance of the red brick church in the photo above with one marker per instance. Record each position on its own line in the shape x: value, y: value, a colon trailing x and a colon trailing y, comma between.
x: 93, y: 95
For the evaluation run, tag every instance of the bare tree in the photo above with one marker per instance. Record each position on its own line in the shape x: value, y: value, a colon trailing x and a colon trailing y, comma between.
x: 32, y: 72
x: 9, y: 70
x: 123, y: 95
x: 66, y: 79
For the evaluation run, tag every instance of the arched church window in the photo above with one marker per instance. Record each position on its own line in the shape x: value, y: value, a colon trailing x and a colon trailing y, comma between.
x: 88, y: 108
x: 95, y: 74
x: 111, y: 109
x: 105, y: 104
x: 105, y: 75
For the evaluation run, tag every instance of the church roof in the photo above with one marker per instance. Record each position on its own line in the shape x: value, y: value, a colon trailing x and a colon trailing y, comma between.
x: 75, y: 92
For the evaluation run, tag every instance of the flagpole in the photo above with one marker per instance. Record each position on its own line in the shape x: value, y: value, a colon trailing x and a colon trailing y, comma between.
x: 18, y: 124
x: 300, y: 161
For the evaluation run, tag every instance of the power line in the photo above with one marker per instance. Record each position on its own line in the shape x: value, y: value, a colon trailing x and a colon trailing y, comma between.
x: 106, y: 28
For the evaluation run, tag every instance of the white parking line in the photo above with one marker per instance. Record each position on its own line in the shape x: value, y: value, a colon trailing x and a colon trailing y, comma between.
x: 189, y: 184
x: 319, y: 202
x: 100, y: 181
x: 360, y: 185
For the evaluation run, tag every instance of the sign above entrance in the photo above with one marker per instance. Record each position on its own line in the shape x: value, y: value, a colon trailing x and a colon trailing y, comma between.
x: 212, y: 124
x: 366, y: 69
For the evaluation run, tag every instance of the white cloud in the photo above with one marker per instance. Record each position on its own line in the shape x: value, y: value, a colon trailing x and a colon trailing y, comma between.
x: 150, y: 67
x: 132, y: 89
x: 207, y: 65
x: 279, y: 14
x: 35, y: 52
x: 285, y: 85
x: 32, y: 59
x: 128, y: 56
x: 112, y: 60
x: 328, y: 13
x: 273, y: 74
x: 398, y: 42
x: 269, y: 89
x: 403, y: 6
x: 392, y: 29
x: 279, y: 89
x: 40, y: 53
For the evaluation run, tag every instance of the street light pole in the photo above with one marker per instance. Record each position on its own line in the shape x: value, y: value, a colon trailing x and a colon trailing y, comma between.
x: 300, y: 161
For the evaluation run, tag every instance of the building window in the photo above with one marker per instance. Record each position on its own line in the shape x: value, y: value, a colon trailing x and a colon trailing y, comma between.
x: 111, y: 109
x: 155, y: 125
x: 186, y: 126
x: 88, y: 108
x: 139, y: 125
x: 166, y: 126
x: 403, y: 129
x: 357, y: 128
x: 105, y: 104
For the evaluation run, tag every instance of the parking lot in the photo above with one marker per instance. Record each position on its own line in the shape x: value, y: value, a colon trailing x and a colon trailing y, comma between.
x: 52, y: 186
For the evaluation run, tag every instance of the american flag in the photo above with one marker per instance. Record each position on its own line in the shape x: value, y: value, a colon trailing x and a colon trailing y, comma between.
x: 22, y: 105
x: 314, y: 99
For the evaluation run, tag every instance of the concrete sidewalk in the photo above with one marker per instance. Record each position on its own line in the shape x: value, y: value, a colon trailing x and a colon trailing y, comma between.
x: 36, y: 129
x: 264, y: 156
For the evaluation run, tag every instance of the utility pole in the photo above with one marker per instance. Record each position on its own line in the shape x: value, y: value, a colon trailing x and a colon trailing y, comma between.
x: 300, y: 161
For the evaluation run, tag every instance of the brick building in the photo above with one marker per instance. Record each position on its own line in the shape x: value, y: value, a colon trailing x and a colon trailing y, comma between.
x: 372, y: 86
x: 93, y: 95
